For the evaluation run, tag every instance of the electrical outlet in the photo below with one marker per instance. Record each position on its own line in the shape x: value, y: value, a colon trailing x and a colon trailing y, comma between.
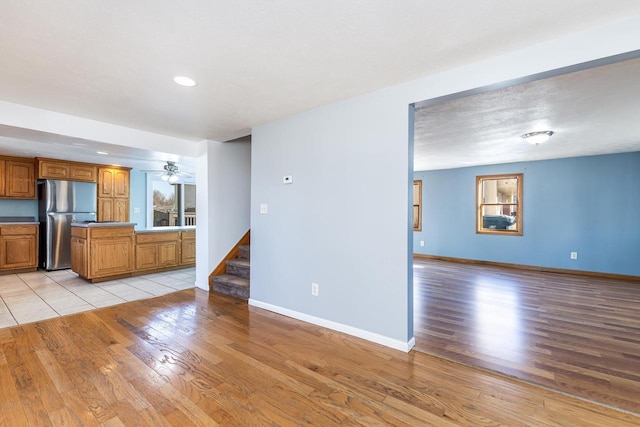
x: 421, y: 242
x: 574, y: 255
x: 314, y: 289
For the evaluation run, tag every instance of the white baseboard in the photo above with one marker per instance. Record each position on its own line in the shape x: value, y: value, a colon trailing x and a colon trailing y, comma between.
x: 350, y: 330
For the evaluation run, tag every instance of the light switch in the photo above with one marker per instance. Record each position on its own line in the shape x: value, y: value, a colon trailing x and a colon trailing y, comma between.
x: 264, y: 208
x: 136, y: 210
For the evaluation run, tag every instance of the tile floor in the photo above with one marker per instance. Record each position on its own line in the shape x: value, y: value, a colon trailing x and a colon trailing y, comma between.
x: 30, y: 297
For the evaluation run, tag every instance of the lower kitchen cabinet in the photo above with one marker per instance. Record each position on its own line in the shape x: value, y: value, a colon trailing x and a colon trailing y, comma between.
x: 18, y: 247
x: 157, y: 250
x: 188, y: 248
x: 102, y: 252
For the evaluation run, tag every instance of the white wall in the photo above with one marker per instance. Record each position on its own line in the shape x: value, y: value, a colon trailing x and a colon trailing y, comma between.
x: 344, y: 221
x: 223, y: 188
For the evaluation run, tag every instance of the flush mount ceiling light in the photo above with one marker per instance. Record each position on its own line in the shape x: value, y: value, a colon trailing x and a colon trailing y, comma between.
x: 104, y: 153
x: 536, y: 138
x: 184, y: 81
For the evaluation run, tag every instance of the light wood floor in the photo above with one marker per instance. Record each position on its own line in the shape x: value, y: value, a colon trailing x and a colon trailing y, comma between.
x: 580, y: 335
x: 191, y: 358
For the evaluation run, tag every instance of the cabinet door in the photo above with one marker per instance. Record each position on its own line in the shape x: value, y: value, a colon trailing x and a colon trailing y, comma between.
x: 18, y: 251
x: 79, y: 256
x: 146, y: 256
x: 83, y: 173
x: 188, y: 252
x: 111, y: 257
x: 53, y: 170
x: 105, y: 182
x: 120, y: 210
x: 20, y: 179
x: 121, y: 183
x: 3, y: 178
x: 168, y: 254
x: 105, y: 209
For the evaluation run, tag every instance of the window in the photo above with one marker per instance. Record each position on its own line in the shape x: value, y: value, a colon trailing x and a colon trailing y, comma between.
x: 417, y: 205
x: 173, y: 204
x: 499, y: 204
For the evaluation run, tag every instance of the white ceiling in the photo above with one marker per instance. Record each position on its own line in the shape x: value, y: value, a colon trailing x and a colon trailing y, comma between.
x: 593, y: 111
x: 254, y: 60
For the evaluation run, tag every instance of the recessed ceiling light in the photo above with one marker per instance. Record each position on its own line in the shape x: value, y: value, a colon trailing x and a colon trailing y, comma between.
x: 184, y: 81
x: 536, y: 138
x: 104, y: 153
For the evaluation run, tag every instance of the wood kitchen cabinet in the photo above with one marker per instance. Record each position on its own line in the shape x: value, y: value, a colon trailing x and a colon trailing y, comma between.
x: 188, y: 248
x: 102, y: 252
x: 157, y: 250
x: 17, y: 178
x: 113, y: 194
x: 18, y: 247
x: 62, y: 169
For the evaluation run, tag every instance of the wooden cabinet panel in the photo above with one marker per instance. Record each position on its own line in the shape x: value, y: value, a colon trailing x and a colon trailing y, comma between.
x: 146, y: 256
x: 168, y: 254
x: 60, y: 169
x: 3, y: 178
x: 79, y: 256
x: 111, y: 257
x: 18, y: 247
x: 18, y: 178
x: 188, y: 248
x: 113, y: 194
x: 113, y: 182
x: 157, y: 250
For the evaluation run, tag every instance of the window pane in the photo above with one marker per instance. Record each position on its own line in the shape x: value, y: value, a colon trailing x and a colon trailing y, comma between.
x: 165, y: 212
x: 189, y: 204
x: 498, y: 221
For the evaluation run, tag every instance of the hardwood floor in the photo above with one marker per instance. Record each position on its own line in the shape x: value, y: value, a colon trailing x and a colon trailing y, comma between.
x: 580, y: 335
x: 191, y: 358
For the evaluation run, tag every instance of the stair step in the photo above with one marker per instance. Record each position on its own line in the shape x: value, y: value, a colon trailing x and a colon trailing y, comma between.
x: 244, y: 251
x: 231, y: 285
x: 239, y: 267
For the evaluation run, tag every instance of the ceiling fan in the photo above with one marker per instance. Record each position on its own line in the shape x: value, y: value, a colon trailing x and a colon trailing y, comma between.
x: 170, y: 172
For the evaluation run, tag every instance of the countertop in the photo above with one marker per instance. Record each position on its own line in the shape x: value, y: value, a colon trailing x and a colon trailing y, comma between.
x: 166, y: 229
x: 124, y: 224
x: 102, y: 224
x: 20, y: 223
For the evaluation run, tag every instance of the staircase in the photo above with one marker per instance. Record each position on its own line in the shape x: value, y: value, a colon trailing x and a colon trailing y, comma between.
x: 235, y: 281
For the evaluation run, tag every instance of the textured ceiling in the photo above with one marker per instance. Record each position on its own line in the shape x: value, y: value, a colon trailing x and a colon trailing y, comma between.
x: 594, y: 111
x: 254, y: 60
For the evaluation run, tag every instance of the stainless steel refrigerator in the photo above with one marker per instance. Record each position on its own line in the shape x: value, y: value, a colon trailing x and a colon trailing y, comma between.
x: 59, y: 204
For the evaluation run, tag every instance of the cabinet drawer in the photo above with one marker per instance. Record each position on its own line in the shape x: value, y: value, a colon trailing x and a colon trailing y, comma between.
x: 18, y: 230
x: 106, y: 232
x: 79, y: 232
x: 157, y: 237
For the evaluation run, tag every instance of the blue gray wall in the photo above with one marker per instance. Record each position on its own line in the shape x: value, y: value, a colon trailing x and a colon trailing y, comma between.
x: 344, y: 223
x: 589, y: 205
x: 13, y: 207
x: 138, y: 199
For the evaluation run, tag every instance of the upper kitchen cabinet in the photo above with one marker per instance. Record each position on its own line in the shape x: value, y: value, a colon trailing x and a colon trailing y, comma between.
x: 113, y: 182
x: 113, y: 194
x: 61, y: 169
x: 17, y: 178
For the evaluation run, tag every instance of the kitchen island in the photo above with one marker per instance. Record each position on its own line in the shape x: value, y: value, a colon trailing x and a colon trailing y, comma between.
x: 109, y: 250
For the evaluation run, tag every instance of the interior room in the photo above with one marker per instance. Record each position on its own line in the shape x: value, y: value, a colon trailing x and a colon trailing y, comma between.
x: 207, y: 215
x: 515, y: 306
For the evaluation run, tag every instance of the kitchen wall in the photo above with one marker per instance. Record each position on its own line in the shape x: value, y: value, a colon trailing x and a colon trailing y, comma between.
x: 13, y: 207
x: 138, y: 199
x: 589, y: 205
